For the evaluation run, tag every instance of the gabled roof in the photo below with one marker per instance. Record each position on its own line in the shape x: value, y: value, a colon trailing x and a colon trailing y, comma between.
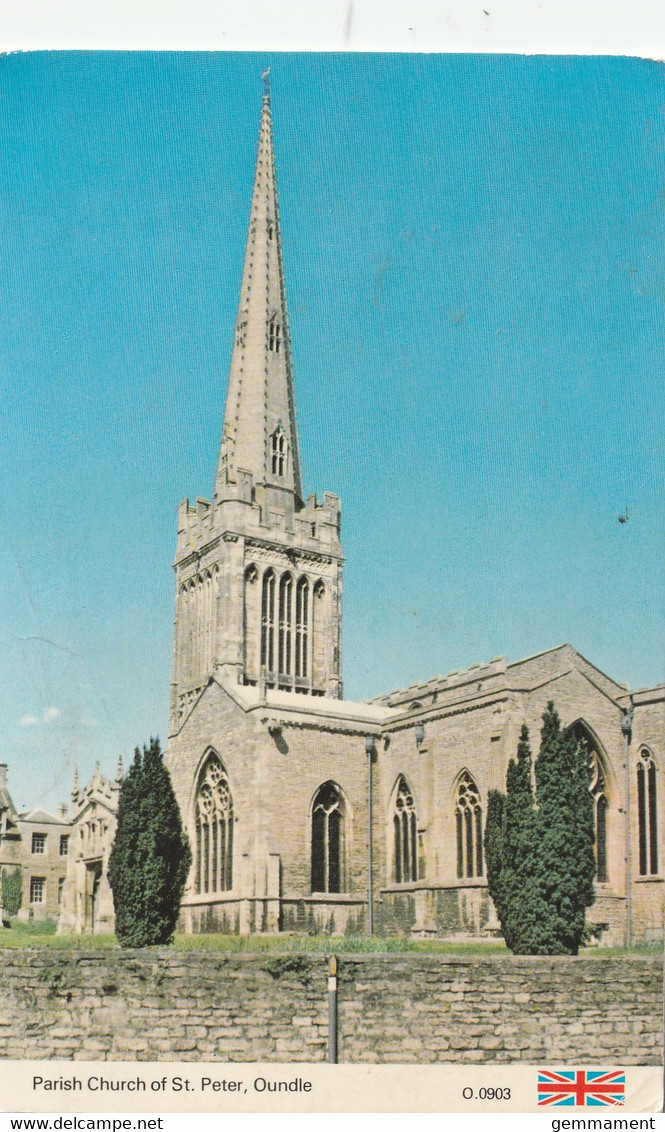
x: 39, y: 816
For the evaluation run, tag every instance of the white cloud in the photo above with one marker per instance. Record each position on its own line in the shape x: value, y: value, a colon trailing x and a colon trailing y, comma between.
x: 28, y: 721
x: 52, y: 713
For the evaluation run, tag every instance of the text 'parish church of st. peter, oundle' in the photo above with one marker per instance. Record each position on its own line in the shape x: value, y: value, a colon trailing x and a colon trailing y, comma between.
x: 306, y: 811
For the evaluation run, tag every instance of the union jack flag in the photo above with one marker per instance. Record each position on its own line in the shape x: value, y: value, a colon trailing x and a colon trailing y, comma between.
x: 581, y: 1087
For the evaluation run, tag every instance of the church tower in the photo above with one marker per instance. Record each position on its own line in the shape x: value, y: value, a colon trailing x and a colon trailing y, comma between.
x: 258, y: 569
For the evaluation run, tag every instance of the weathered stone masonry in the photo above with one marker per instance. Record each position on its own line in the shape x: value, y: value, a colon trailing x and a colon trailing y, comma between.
x: 162, y: 1005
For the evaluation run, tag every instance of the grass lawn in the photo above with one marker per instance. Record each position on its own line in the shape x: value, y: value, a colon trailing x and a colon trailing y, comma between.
x: 43, y: 935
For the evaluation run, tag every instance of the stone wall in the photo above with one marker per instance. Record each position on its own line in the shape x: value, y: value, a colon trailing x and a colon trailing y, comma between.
x: 165, y: 1005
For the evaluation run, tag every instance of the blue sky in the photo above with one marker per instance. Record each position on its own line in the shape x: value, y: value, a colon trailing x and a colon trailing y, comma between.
x: 475, y: 259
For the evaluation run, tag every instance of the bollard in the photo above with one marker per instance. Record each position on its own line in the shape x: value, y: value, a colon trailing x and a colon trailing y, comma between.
x: 332, y: 1009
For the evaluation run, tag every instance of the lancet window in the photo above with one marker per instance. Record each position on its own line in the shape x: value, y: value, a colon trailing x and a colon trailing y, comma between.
x: 278, y: 452
x: 647, y: 814
x: 469, y: 823
x: 268, y: 621
x: 214, y: 830
x: 275, y: 335
x: 328, y: 839
x: 405, y: 835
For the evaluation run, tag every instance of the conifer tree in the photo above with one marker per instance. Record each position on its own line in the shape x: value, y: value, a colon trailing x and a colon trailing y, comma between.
x: 564, y: 864
x: 150, y: 857
x: 540, y: 858
x: 496, y: 802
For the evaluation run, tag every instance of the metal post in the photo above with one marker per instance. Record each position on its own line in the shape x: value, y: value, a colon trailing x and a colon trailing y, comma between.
x: 332, y: 1009
x: 626, y: 731
x: 369, y: 751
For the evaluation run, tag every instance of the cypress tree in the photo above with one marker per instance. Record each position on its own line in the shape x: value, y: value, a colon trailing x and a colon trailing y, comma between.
x: 496, y: 802
x: 518, y: 847
x: 540, y: 858
x: 150, y: 857
x: 564, y: 865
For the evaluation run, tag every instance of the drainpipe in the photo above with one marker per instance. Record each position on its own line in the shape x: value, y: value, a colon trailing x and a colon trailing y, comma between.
x: 626, y: 731
x: 370, y: 751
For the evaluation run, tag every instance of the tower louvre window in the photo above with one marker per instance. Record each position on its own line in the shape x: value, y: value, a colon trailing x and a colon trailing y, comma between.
x: 405, y: 835
x: 328, y: 840
x: 268, y: 621
x: 285, y: 623
x: 275, y: 335
x: 278, y: 452
x: 302, y: 627
x: 271, y: 230
x: 647, y: 815
x: 469, y: 823
x: 214, y: 830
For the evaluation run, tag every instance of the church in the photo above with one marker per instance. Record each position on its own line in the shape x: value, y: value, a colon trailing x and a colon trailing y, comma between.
x: 309, y: 812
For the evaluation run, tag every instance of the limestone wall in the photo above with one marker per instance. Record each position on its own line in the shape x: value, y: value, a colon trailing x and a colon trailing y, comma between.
x: 166, y: 1005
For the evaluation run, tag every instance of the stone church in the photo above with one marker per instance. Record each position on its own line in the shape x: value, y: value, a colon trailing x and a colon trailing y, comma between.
x: 307, y: 811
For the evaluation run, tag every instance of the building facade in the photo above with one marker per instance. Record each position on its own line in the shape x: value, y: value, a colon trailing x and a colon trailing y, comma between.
x: 38, y: 844
x: 309, y: 812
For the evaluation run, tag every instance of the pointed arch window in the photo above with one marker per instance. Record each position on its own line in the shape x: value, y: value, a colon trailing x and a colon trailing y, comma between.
x: 302, y: 627
x: 278, y: 452
x: 214, y: 830
x: 275, y: 335
x: 328, y: 839
x: 405, y: 835
x: 268, y: 621
x: 469, y: 825
x: 285, y: 623
x: 600, y: 807
x: 647, y: 814
x: 598, y: 787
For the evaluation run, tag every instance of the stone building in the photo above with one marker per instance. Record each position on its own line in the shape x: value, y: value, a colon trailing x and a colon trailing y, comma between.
x: 87, y: 900
x: 38, y: 844
x: 305, y: 810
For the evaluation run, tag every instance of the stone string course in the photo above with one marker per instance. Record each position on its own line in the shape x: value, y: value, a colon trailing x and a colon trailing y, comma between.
x: 163, y: 1005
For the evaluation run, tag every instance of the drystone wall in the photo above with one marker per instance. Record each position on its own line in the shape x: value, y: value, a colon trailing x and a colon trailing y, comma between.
x: 165, y: 1005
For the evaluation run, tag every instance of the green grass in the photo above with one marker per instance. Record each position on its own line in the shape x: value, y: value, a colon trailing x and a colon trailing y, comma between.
x: 42, y: 935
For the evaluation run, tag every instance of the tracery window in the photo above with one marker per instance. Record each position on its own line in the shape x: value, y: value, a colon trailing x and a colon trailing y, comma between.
x: 278, y: 452
x: 598, y: 787
x: 469, y: 822
x: 405, y: 835
x: 647, y: 815
x: 302, y: 627
x: 328, y: 839
x: 275, y: 335
x: 214, y: 830
x: 600, y: 808
x: 285, y: 623
x: 268, y: 621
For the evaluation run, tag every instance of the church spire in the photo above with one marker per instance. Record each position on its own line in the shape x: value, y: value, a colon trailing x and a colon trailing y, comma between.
x: 259, y: 435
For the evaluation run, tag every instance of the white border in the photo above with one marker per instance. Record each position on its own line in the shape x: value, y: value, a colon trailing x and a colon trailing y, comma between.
x: 578, y: 27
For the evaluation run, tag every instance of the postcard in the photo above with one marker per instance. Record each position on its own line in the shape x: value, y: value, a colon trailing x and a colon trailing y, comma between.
x: 334, y: 722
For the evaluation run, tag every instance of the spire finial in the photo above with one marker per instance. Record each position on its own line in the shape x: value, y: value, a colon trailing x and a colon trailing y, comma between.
x: 266, y: 84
